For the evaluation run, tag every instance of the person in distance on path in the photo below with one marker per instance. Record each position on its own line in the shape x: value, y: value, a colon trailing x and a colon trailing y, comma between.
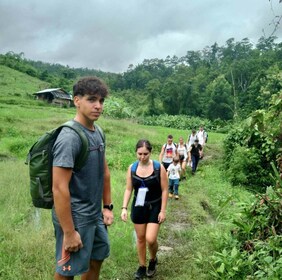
x: 195, y: 153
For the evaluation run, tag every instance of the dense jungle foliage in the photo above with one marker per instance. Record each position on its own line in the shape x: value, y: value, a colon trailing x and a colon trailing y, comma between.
x: 253, y: 145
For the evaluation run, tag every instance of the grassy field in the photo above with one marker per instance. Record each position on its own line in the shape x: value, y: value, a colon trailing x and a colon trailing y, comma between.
x: 195, y: 224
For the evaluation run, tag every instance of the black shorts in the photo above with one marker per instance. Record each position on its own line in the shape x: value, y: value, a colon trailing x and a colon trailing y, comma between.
x: 148, y: 213
x: 166, y: 164
x: 181, y: 158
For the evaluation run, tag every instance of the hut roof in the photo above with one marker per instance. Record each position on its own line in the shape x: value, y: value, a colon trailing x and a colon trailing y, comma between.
x: 56, y: 92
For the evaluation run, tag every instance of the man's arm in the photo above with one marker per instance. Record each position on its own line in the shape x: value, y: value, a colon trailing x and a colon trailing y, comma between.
x: 161, y: 154
x: 189, y: 153
x: 62, y: 203
x: 107, y: 197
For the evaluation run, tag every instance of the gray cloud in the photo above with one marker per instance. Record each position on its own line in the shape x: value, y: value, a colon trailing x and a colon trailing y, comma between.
x: 111, y: 35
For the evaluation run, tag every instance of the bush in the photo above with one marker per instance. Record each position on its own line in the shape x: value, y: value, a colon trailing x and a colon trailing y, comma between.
x: 177, y: 121
x: 117, y: 108
x: 255, y: 251
x: 244, y: 167
x: 261, y: 134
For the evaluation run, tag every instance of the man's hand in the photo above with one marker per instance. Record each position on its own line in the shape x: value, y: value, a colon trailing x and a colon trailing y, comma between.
x: 72, y: 241
x: 108, y: 217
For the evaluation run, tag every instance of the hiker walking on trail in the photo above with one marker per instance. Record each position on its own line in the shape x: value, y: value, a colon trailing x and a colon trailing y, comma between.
x: 148, y: 181
x: 183, y: 156
x: 191, y: 138
x: 202, y: 137
x: 194, y: 155
x: 173, y: 172
x: 168, y: 152
x: 80, y: 225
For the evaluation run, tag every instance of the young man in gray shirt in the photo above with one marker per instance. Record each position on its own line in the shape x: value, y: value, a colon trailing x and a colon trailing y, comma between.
x: 79, y: 221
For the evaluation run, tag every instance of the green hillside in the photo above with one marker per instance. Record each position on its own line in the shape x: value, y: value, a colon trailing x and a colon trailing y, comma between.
x: 15, y: 84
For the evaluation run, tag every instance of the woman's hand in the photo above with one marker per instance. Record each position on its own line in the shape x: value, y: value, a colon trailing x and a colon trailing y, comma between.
x: 161, y: 217
x: 124, y: 214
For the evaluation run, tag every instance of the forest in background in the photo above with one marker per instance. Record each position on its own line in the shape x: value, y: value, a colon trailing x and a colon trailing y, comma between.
x: 218, y: 83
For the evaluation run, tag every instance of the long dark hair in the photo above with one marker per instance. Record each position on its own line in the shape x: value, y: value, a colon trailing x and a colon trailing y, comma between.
x: 143, y: 142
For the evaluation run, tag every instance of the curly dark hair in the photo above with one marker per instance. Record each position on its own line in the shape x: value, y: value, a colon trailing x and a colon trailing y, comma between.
x: 90, y: 86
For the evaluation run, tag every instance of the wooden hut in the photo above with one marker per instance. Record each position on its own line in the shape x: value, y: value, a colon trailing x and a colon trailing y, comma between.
x: 55, y: 96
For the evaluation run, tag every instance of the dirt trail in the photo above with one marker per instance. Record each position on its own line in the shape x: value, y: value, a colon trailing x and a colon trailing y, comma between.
x: 179, y: 211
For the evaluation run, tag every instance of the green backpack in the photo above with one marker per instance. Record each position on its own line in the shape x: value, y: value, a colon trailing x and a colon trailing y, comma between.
x: 40, y: 160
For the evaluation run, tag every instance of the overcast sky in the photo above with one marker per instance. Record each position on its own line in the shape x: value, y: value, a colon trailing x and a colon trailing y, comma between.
x: 112, y: 34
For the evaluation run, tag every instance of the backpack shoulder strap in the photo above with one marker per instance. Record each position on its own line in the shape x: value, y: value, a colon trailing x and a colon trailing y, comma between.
x: 134, y: 167
x: 157, y: 169
x: 156, y: 164
x: 80, y: 161
x: 133, y: 170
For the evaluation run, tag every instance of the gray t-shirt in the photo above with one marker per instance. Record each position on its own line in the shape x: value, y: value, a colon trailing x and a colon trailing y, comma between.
x: 86, y: 185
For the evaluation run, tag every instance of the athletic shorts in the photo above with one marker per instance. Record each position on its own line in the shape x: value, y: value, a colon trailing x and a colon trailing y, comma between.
x: 181, y: 158
x: 166, y: 165
x: 95, y: 247
x: 146, y: 214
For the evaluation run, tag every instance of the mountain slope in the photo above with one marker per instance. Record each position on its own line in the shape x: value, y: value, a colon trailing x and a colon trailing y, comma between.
x: 17, y: 84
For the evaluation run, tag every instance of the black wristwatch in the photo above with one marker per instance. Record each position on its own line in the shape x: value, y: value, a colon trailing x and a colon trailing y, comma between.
x: 109, y: 206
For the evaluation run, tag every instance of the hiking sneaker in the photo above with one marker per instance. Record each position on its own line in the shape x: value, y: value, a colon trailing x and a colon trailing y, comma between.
x: 170, y: 195
x: 141, y: 272
x: 152, y: 267
x: 176, y: 197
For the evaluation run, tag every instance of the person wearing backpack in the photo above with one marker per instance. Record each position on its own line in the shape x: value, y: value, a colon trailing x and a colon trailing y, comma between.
x: 195, y: 152
x: 79, y: 221
x: 148, y: 181
x: 191, y: 138
x: 168, y: 152
x: 182, y: 152
x: 202, y: 137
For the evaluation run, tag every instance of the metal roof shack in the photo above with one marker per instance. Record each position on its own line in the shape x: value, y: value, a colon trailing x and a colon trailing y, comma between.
x: 55, y: 96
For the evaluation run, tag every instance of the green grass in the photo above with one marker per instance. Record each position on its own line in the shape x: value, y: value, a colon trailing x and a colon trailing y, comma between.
x: 195, y: 226
x: 17, y: 84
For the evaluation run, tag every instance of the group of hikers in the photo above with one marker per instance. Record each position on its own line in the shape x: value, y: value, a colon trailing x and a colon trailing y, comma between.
x: 176, y: 157
x: 83, y: 207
